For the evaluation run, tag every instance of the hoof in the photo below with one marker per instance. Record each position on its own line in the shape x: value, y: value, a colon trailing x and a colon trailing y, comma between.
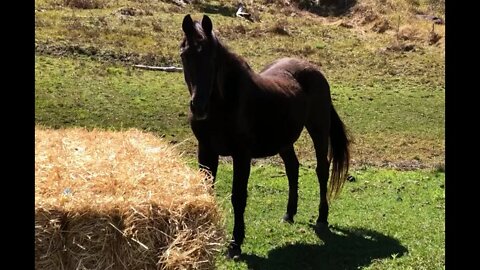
x: 234, y: 251
x: 321, y: 228
x: 287, y: 218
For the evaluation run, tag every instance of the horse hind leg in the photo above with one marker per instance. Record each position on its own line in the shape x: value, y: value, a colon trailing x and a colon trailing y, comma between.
x: 318, y: 127
x: 291, y: 167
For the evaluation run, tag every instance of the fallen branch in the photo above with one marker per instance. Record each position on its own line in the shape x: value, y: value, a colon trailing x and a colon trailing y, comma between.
x: 167, y: 69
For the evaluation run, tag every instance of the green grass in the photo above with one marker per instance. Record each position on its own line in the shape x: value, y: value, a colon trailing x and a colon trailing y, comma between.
x: 390, y: 125
x: 385, y: 220
x: 392, y: 102
x: 81, y: 92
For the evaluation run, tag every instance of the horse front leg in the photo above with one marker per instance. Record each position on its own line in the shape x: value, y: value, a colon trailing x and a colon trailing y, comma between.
x: 241, y: 172
x: 208, y: 160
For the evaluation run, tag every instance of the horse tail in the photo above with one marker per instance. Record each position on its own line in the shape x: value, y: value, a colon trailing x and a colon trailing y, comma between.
x: 339, y: 154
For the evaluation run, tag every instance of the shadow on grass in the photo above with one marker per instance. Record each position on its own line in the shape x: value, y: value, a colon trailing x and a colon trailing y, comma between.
x: 342, y: 249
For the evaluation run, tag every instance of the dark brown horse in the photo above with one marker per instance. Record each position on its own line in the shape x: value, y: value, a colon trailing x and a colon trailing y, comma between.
x: 236, y: 112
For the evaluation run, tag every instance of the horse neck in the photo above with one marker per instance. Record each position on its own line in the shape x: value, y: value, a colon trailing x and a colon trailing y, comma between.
x: 234, y: 75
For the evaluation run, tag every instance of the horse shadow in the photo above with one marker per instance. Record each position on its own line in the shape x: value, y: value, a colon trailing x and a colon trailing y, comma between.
x: 342, y: 249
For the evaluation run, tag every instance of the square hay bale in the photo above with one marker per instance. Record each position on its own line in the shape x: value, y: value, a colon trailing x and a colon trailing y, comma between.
x: 120, y: 200
x: 49, y: 239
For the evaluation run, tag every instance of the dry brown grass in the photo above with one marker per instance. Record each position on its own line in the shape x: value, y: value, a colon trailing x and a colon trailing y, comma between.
x: 120, y: 200
x: 399, y: 18
x: 85, y: 4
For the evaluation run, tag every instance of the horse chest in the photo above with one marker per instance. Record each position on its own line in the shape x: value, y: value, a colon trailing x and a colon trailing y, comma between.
x: 218, y: 135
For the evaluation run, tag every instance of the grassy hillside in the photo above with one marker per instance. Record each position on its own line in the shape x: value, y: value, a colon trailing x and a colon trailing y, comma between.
x: 384, y: 60
x: 388, y: 87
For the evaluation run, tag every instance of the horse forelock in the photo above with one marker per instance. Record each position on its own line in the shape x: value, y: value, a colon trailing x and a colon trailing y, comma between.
x: 200, y: 33
x: 199, y: 30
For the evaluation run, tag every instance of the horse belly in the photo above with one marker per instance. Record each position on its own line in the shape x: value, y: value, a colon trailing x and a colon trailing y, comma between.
x: 272, y: 139
x: 278, y: 124
x: 222, y: 145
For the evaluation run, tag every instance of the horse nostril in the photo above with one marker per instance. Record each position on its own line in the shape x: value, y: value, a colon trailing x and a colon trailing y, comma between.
x: 198, y: 110
x: 192, y: 107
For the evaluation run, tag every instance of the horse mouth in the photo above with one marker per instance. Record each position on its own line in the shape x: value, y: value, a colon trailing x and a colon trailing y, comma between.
x: 198, y: 112
x: 199, y: 117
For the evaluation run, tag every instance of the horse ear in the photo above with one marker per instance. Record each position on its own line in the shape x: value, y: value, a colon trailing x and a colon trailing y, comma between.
x: 187, y: 25
x: 207, y: 25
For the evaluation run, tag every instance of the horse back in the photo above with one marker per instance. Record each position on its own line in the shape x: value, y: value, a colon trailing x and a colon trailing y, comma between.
x: 307, y: 75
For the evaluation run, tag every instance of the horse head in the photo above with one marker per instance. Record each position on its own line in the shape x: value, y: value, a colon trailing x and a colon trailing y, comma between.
x: 198, y: 51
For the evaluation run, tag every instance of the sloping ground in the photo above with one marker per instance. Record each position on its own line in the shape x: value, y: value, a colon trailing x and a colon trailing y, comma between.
x: 141, y: 31
x: 384, y: 60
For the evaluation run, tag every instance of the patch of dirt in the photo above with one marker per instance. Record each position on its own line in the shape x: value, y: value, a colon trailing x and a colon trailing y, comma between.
x: 362, y: 15
x: 85, y: 4
x: 280, y: 28
x: 239, y: 31
x: 408, y: 32
x: 364, y: 18
x: 398, y: 47
x: 433, y: 38
x: 381, y: 26
x: 346, y: 24
x: 231, y: 32
x: 131, y: 11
